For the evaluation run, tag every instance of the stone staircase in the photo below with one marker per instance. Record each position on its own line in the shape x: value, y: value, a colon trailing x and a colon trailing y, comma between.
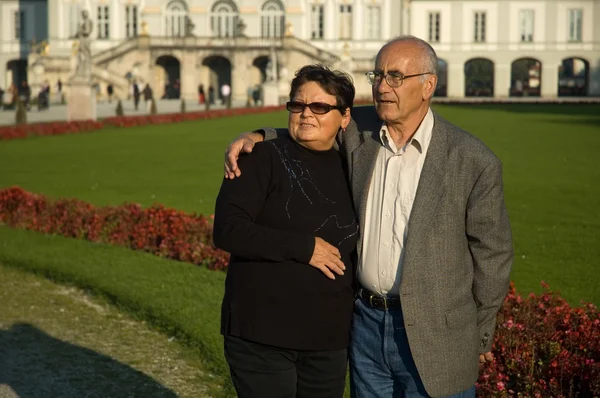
x: 111, y: 65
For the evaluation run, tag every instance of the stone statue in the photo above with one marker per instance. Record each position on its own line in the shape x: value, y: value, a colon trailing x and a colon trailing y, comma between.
x: 189, y: 26
x: 241, y: 28
x: 144, y: 29
x: 269, y: 72
x: 271, y: 68
x: 83, y: 69
x: 289, y: 29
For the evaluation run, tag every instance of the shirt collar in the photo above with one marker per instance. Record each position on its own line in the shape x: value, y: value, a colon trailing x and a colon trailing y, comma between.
x: 420, y: 140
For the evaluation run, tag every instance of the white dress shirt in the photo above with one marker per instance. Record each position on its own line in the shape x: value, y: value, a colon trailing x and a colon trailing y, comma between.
x: 391, y: 196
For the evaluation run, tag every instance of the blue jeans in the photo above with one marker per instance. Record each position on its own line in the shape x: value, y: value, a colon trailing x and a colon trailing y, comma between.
x: 381, y: 364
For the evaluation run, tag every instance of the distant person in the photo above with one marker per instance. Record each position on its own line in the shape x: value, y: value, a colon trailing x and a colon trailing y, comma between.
x: 166, y: 91
x: 11, y: 99
x: 136, y: 95
x: 110, y: 91
x: 59, y: 91
x: 226, y: 94
x: 201, y: 96
x: 256, y: 95
x: 25, y: 94
x: 177, y: 89
x: 148, y: 95
x: 211, y: 95
x: 249, y: 96
x: 44, y: 96
x: 98, y: 91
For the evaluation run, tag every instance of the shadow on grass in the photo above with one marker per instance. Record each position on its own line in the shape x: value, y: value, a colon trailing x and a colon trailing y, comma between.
x: 592, y: 110
x: 35, y: 364
x: 567, y: 114
x: 590, y: 121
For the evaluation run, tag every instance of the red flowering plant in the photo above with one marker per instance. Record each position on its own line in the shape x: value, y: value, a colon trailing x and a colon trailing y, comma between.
x: 161, y: 231
x: 544, y: 348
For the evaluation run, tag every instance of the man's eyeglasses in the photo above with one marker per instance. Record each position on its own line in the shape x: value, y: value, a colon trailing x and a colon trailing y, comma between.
x: 318, y: 108
x: 394, y: 79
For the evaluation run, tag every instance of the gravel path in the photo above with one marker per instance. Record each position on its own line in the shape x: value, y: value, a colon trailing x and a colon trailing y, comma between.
x: 57, y: 341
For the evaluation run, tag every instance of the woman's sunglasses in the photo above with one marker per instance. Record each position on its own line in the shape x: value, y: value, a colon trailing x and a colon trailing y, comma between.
x: 318, y: 108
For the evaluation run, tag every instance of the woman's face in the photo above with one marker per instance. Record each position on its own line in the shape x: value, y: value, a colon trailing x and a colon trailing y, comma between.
x: 314, y: 131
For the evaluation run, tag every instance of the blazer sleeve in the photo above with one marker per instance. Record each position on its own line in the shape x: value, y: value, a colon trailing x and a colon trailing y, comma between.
x: 270, y: 133
x: 490, y: 243
x: 239, y: 204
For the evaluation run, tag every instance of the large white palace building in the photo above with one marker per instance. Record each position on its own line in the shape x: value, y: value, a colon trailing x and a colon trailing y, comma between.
x: 487, y: 48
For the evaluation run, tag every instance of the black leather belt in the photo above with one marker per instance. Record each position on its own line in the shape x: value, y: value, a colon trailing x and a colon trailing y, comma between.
x: 378, y: 301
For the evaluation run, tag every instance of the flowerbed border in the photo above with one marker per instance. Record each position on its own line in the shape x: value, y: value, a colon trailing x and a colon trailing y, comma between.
x: 63, y: 127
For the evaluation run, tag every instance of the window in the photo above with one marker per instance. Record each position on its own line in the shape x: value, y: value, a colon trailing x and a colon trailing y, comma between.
x: 103, y: 18
x: 72, y: 18
x: 224, y: 19
x: 526, y: 25
x: 272, y: 19
x: 373, y: 22
x: 345, y: 22
x: 131, y: 21
x: 316, y: 21
x: 19, y: 19
x: 434, y: 27
x: 575, y: 17
x: 479, y: 27
x: 176, y: 18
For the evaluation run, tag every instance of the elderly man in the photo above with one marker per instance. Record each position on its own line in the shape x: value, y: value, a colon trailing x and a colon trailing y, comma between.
x: 435, y: 250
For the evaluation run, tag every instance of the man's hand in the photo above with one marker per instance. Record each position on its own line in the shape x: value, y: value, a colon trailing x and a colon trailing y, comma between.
x: 243, y: 144
x: 486, y: 358
x: 327, y: 258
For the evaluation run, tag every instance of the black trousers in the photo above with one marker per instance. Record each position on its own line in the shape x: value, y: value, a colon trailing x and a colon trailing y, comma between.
x: 262, y: 371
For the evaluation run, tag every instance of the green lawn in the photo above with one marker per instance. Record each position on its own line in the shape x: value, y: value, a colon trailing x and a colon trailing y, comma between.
x: 548, y: 151
x: 180, y: 299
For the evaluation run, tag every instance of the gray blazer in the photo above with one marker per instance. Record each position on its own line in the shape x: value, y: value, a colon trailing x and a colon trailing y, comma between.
x: 458, y: 252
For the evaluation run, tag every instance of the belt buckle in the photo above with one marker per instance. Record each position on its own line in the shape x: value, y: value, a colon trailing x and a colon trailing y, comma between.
x: 385, y: 307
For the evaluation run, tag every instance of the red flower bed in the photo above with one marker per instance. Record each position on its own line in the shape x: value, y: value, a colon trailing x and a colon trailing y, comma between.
x: 158, y: 230
x: 543, y: 347
x: 59, y: 128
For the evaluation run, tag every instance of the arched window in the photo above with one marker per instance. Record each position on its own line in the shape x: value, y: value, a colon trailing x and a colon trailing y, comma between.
x: 272, y: 19
x: 176, y: 18
x: 573, y: 77
x: 224, y: 19
x: 525, y: 78
x: 479, y: 78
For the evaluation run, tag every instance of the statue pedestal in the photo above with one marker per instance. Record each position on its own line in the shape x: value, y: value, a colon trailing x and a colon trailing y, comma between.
x: 81, y: 101
x: 270, y: 92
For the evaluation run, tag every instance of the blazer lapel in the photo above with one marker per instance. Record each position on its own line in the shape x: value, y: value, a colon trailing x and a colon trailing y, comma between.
x: 363, y: 148
x: 429, y: 191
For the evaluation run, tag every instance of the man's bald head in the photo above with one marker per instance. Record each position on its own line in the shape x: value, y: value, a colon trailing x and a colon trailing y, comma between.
x: 426, y: 57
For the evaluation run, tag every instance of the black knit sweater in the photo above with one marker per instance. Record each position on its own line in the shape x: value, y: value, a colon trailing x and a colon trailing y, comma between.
x: 268, y: 219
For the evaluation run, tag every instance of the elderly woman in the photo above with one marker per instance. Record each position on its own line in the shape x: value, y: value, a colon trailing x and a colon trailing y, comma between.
x: 290, y: 227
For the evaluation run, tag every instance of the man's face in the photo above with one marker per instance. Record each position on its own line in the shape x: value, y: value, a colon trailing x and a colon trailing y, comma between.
x: 396, y: 104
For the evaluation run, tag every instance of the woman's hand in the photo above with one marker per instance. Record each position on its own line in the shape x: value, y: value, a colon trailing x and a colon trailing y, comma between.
x: 243, y: 144
x: 327, y: 258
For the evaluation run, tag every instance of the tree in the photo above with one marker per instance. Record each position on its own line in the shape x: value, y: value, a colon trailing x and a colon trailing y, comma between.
x: 21, y: 114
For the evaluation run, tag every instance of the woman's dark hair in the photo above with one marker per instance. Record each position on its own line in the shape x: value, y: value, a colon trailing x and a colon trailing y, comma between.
x: 333, y: 82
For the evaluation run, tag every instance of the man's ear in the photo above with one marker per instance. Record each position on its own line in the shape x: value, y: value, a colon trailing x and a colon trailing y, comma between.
x: 429, y: 87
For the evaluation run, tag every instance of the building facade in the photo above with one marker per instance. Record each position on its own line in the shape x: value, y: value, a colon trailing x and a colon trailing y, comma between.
x: 487, y: 48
